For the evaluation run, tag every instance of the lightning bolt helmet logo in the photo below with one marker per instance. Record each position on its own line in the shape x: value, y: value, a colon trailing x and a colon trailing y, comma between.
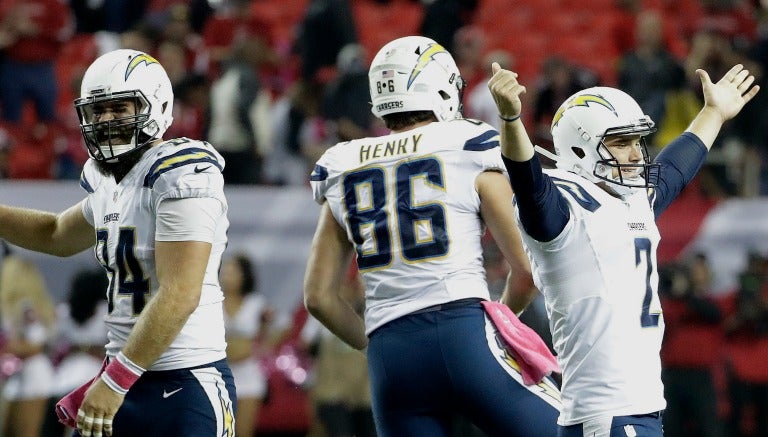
x: 424, y: 59
x: 138, y: 60
x: 582, y: 100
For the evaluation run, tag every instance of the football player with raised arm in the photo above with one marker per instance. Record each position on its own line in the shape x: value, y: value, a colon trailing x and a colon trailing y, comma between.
x: 413, y: 206
x: 590, y: 233
x: 155, y: 215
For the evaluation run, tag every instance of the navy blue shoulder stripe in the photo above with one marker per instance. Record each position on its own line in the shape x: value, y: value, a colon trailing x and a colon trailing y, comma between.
x: 582, y: 197
x: 487, y: 140
x: 179, y: 159
x: 85, y: 184
x: 319, y: 173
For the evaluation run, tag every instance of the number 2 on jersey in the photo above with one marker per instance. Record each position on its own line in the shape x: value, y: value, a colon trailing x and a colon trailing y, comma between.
x: 130, y: 276
x: 420, y: 225
x: 643, y: 251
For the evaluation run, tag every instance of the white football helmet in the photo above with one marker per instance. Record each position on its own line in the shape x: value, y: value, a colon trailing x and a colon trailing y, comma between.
x: 124, y: 75
x: 414, y: 73
x: 580, y: 126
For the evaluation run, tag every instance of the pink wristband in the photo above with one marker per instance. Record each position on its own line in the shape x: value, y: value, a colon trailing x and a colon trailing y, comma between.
x: 121, y: 373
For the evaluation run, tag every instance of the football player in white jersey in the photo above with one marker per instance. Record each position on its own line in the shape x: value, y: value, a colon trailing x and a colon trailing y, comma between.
x: 590, y: 233
x: 155, y: 214
x: 413, y: 206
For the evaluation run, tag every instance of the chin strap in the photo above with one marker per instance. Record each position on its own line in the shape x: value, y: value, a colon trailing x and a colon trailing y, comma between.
x: 547, y: 153
x: 560, y: 161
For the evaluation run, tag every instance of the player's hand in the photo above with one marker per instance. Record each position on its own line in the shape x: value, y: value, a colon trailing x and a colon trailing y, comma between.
x: 95, y: 416
x: 730, y: 93
x: 506, y: 91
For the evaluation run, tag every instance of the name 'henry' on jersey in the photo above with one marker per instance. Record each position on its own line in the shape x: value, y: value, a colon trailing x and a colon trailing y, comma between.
x: 410, y: 207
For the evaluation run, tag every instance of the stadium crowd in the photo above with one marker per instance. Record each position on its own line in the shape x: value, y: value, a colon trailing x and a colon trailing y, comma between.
x: 273, y: 83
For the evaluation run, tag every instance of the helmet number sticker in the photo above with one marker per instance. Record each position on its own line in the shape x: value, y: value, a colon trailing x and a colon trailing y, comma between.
x: 383, y: 86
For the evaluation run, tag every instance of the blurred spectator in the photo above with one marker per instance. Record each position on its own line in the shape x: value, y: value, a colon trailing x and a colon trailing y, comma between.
x: 173, y: 57
x: 623, y: 24
x: 199, y: 13
x: 71, y: 152
x: 479, y: 103
x: 443, y: 18
x: 759, y: 128
x: 231, y: 126
x: 747, y: 342
x: 81, y: 337
x: 649, y: 71
x: 298, y: 131
x: 28, y: 320
x: 735, y: 19
x: 314, y: 137
x: 5, y: 154
x: 691, y: 350
x: 81, y: 330
x: 141, y: 37
x: 192, y: 101
x: 469, y: 51
x: 327, y: 27
x: 31, y: 35
x: 287, y: 410
x: 248, y: 318
x: 232, y: 24
x: 624, y: 20
x: 115, y: 16
x: 559, y: 79
x: 176, y: 27
x: 713, y: 51
x: 346, y: 100
x: 340, y: 391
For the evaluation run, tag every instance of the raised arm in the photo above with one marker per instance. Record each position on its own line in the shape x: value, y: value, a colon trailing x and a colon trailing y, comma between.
x: 63, y: 234
x: 506, y: 91
x: 543, y: 210
x: 722, y: 101
x: 681, y: 159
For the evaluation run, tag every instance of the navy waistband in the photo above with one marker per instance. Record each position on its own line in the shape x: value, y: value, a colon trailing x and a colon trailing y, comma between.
x: 655, y: 414
x: 184, y: 370
x: 449, y: 305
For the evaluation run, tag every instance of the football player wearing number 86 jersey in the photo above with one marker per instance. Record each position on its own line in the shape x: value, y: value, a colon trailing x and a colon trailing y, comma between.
x: 590, y: 232
x: 412, y: 206
x: 155, y: 215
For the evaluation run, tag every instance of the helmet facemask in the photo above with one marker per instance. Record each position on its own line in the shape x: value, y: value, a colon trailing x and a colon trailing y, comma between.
x: 643, y: 174
x: 113, y: 83
x: 110, y: 139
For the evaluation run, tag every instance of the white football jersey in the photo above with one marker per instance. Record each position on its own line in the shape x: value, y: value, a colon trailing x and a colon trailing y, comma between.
x: 599, y: 279
x: 124, y: 215
x: 409, y: 205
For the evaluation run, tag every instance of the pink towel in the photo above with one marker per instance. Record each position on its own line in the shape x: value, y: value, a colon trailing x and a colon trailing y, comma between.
x: 530, y: 351
x: 66, y: 408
